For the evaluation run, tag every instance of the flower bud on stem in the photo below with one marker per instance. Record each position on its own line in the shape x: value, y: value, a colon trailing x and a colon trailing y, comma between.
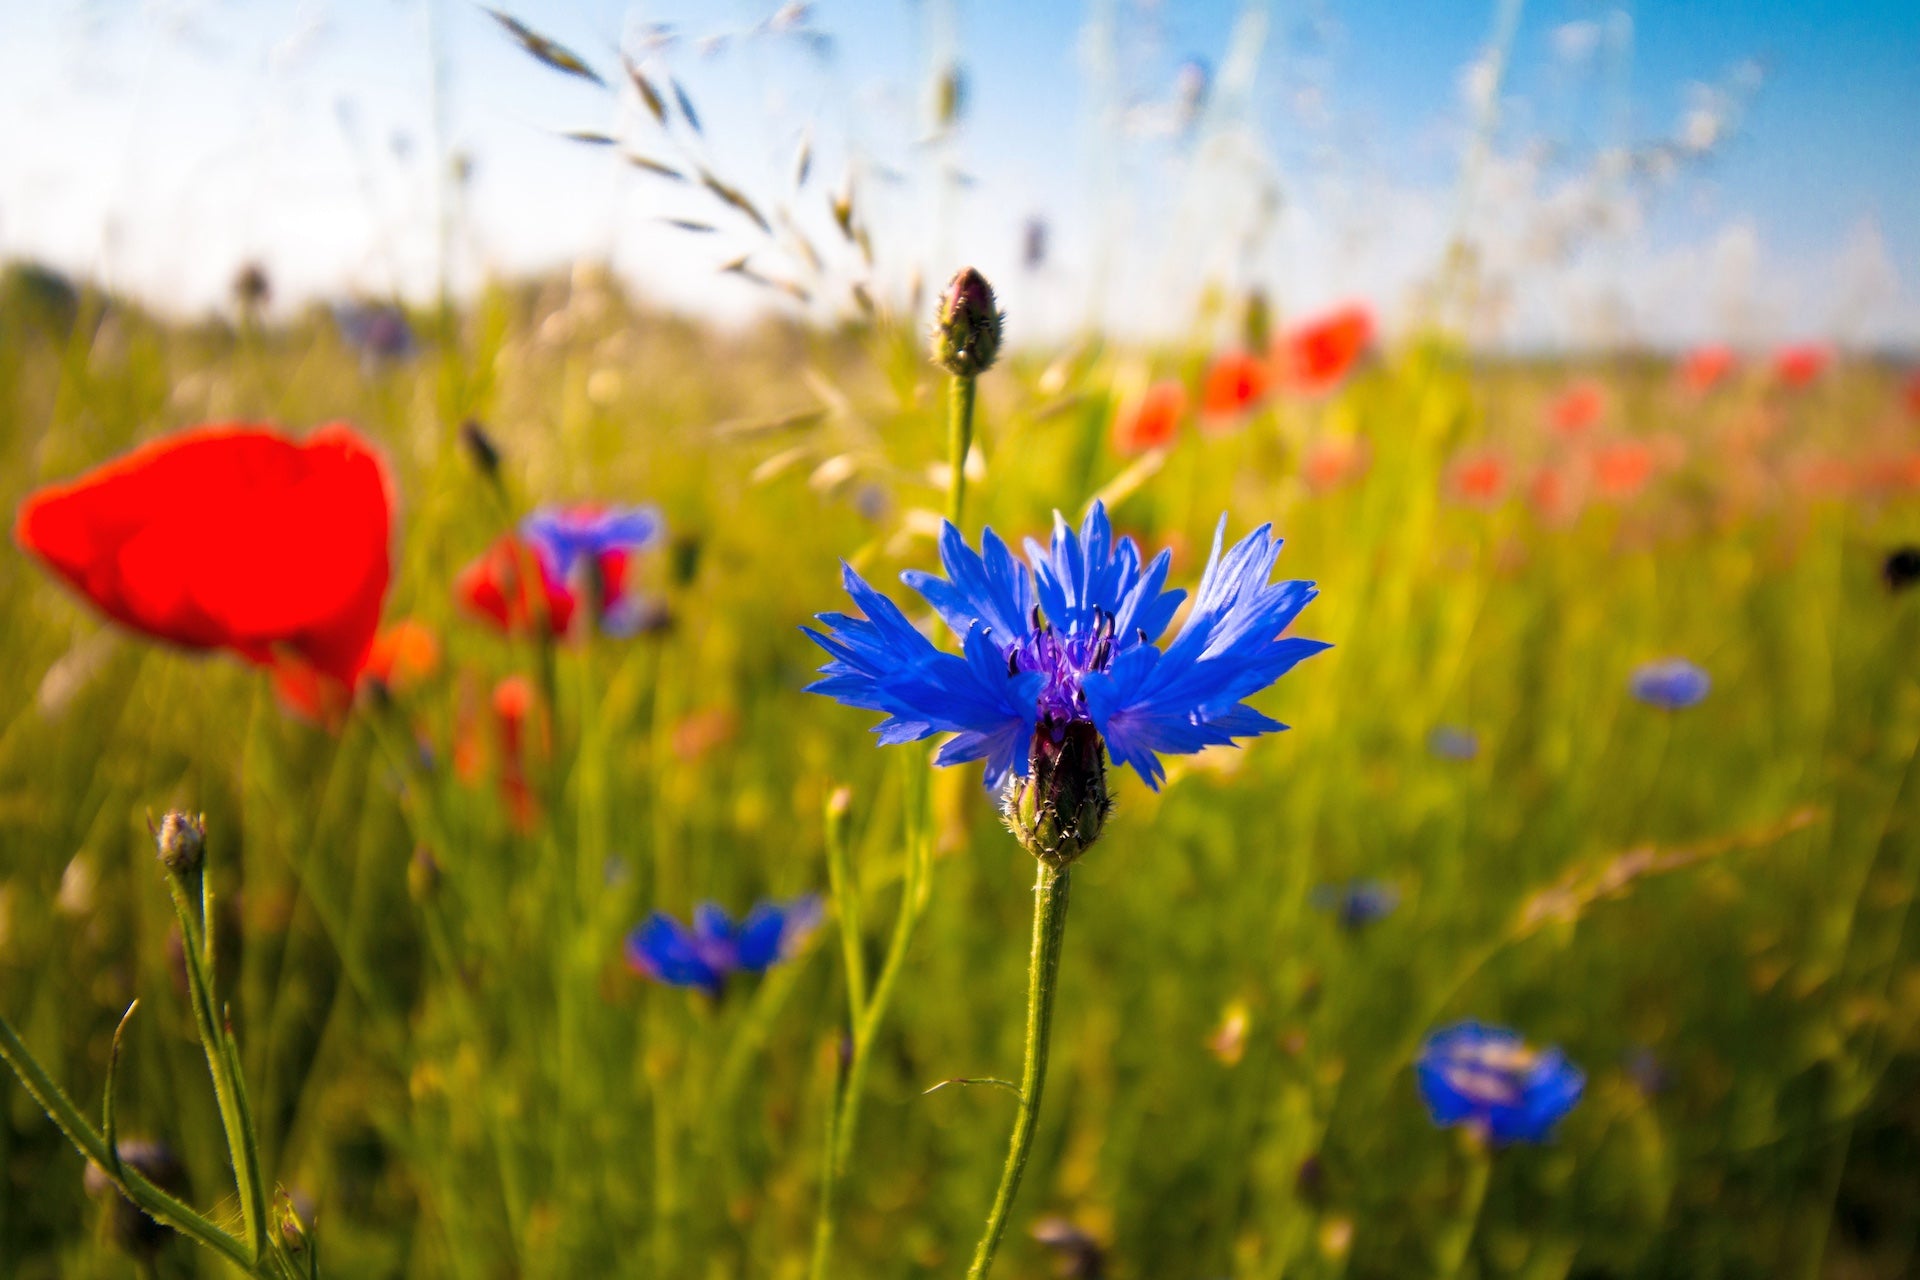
x: 966, y: 342
x: 181, y: 841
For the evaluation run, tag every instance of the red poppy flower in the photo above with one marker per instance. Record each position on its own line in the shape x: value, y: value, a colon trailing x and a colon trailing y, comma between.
x: 1480, y: 478
x: 1313, y: 358
x: 403, y: 654
x: 1705, y: 368
x: 1800, y: 365
x: 1621, y: 469
x: 511, y: 586
x: 1235, y: 383
x: 230, y: 537
x: 1153, y: 422
x: 1579, y: 408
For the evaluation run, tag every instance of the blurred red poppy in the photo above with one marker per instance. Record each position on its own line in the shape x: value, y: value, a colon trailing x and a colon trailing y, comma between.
x: 1314, y: 357
x: 511, y: 586
x: 1480, y: 478
x: 1705, y: 368
x: 230, y: 537
x: 1622, y: 468
x: 1911, y: 394
x: 1800, y: 365
x: 403, y: 654
x: 1153, y: 422
x: 1579, y: 408
x: 1235, y: 383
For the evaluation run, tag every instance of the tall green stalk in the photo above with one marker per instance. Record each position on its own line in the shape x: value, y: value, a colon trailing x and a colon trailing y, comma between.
x: 1049, y: 929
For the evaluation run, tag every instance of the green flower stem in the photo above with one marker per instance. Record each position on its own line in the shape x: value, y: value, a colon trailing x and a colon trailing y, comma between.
x: 843, y: 1114
x: 155, y: 1203
x: 222, y: 1054
x: 959, y: 443
x: 1049, y: 930
x: 1458, y: 1242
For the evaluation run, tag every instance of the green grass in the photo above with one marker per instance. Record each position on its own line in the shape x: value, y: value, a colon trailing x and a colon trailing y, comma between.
x: 463, y: 1080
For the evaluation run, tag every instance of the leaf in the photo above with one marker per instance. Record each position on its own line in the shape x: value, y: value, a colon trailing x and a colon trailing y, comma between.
x: 590, y: 138
x: 551, y: 52
x: 109, y: 1128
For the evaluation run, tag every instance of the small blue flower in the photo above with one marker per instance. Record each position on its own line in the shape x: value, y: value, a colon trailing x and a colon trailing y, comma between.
x: 1487, y: 1077
x: 1451, y: 742
x: 1358, y: 903
x: 378, y: 331
x: 716, y: 948
x: 1073, y: 639
x: 567, y: 536
x: 1671, y: 683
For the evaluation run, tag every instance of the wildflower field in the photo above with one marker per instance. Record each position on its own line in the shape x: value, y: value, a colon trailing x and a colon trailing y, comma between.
x: 464, y: 1057
x: 1331, y: 721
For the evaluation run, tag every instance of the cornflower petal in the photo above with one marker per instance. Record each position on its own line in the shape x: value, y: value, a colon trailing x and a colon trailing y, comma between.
x: 667, y: 951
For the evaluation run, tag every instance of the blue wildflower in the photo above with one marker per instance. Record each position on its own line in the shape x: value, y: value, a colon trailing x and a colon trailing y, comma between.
x: 1451, y: 742
x: 591, y: 541
x: 1671, y: 683
x: 716, y: 947
x: 1069, y: 648
x: 566, y: 537
x: 378, y: 331
x: 1487, y: 1077
x: 1358, y: 903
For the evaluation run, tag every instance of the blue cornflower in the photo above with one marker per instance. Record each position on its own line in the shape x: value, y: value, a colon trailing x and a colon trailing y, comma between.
x: 1451, y: 742
x: 1671, y: 683
x: 716, y: 948
x: 1487, y: 1077
x: 567, y: 536
x: 1068, y: 645
x: 573, y: 542
x: 1358, y: 903
x: 377, y: 330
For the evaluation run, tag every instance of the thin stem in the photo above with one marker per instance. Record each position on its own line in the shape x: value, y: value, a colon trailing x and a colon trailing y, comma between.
x: 242, y: 1146
x: 1049, y: 930
x: 959, y: 443
x: 829, y: 1180
x: 155, y: 1203
x: 1473, y: 1199
x: 843, y: 1116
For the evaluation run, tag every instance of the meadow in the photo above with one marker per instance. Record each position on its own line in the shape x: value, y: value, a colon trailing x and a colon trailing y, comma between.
x: 422, y: 908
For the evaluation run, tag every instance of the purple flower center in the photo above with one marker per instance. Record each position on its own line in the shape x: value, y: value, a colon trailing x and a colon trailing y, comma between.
x: 1064, y: 660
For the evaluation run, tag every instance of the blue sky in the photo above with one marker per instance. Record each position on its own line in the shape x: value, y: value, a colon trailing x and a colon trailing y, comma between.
x: 1653, y: 172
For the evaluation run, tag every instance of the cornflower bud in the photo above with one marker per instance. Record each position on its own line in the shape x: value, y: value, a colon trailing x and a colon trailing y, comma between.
x: 967, y: 327
x: 182, y: 841
x: 1060, y: 808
